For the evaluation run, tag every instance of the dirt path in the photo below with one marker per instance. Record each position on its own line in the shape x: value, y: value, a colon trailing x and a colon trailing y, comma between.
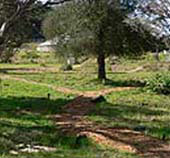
x: 73, y: 122
x: 30, y: 70
x: 69, y: 90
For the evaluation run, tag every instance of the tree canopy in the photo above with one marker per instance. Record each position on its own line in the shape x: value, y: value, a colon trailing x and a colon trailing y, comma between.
x: 109, y: 27
x: 17, y: 21
x: 101, y: 27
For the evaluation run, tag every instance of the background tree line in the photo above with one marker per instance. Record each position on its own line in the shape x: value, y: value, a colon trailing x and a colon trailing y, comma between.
x: 97, y: 27
x: 104, y: 27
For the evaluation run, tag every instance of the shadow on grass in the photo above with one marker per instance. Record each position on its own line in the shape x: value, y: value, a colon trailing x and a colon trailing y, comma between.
x: 120, y: 83
x: 25, y: 121
x: 32, y: 104
x: 115, y: 116
x: 12, y: 136
x: 32, y: 71
x: 132, y: 116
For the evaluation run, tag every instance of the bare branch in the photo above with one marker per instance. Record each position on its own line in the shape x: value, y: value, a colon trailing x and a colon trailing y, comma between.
x: 50, y: 3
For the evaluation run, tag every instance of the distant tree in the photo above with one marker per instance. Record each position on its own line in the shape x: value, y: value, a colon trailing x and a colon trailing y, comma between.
x: 98, y: 20
x: 101, y: 27
x: 63, y: 27
x: 15, y: 26
x: 92, y: 24
x: 17, y: 20
x: 154, y: 16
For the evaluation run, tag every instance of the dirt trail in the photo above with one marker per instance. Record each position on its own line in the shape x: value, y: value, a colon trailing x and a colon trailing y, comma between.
x: 69, y: 90
x: 30, y: 70
x: 73, y: 122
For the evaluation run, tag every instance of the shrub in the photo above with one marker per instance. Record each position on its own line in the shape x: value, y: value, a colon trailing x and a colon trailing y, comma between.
x: 159, y: 83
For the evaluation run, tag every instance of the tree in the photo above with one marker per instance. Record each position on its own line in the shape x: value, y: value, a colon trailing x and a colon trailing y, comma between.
x: 96, y: 21
x: 154, y: 16
x: 15, y: 25
x: 17, y: 20
x: 104, y: 24
x: 112, y: 26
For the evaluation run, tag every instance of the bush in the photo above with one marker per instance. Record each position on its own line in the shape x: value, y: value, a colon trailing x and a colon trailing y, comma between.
x: 159, y: 83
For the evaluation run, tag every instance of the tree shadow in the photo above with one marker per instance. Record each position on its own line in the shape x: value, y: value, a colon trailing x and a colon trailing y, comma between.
x: 39, y: 105
x: 119, y: 124
x: 122, y: 110
x: 125, y: 83
x: 27, y: 121
x: 140, y: 118
x: 131, y: 115
x: 144, y: 145
x: 119, y: 83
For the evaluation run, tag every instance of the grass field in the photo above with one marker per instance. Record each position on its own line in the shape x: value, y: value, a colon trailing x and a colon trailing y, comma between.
x: 25, y: 109
x: 24, y: 120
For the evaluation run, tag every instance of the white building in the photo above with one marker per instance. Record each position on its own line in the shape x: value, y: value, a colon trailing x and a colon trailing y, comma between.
x: 48, y: 46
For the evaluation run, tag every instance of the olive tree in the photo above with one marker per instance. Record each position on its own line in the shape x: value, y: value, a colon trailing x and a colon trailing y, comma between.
x: 93, y: 25
x: 109, y: 27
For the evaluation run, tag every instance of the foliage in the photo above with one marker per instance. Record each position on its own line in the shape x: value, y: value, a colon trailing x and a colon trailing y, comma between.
x: 19, y: 22
x: 159, y: 83
x: 80, y: 23
x: 84, y: 26
x: 100, y: 27
x: 31, y: 55
x: 28, y: 54
x: 63, y: 25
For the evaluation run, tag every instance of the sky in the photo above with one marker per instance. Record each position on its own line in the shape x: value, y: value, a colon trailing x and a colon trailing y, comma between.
x: 43, y: 1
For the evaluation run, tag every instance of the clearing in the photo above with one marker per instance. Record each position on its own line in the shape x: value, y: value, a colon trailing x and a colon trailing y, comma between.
x: 129, y: 122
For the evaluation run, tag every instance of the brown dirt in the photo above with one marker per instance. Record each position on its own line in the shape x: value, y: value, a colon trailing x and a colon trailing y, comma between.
x: 73, y: 122
x: 69, y: 90
x: 30, y: 70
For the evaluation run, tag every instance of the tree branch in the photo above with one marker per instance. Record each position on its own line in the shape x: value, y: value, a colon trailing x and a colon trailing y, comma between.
x: 50, y: 3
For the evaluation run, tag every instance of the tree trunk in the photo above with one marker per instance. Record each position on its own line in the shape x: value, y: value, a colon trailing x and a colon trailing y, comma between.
x: 101, y: 66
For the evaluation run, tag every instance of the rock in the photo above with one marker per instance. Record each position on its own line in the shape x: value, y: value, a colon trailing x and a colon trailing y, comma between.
x: 13, y: 152
x: 36, y: 148
x: 29, y: 150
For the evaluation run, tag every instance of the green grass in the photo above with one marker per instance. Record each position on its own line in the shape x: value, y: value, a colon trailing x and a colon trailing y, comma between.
x: 25, y: 108
x: 84, y: 78
x: 85, y: 81
x: 81, y: 153
x: 23, y: 95
x: 24, y: 119
x: 135, y: 108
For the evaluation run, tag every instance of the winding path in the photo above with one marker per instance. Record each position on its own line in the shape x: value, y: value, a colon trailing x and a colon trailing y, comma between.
x: 73, y: 121
x: 68, y: 90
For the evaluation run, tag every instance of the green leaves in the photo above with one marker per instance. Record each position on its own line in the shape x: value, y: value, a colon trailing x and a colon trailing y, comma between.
x: 159, y: 83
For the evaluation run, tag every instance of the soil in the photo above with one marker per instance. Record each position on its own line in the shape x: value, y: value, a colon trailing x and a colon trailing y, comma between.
x: 73, y: 122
